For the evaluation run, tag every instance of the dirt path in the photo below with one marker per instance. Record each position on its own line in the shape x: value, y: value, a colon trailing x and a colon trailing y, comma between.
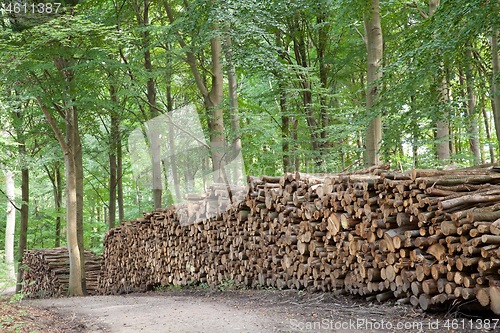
x: 250, y: 311
x: 157, y: 314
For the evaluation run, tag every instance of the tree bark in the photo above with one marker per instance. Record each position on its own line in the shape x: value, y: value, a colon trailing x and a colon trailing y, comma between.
x: 75, y: 281
x: 300, y: 50
x: 23, y: 227
x: 79, y: 197
x: 58, y: 202
x: 71, y: 147
x: 233, y: 110
x: 119, y: 178
x: 217, y: 121
x: 68, y: 146
x: 285, y: 132
x: 55, y: 178
x: 285, y: 118
x: 495, y: 85
x: 471, y: 102
x: 11, y: 222
x: 112, y: 172
x: 171, y: 132
x: 323, y: 77
x: 488, y: 134
x: 442, y: 131
x: 212, y: 98
x: 154, y: 140
x: 374, y: 47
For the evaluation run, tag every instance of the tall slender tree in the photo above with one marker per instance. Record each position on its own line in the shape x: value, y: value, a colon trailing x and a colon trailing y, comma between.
x: 374, y: 48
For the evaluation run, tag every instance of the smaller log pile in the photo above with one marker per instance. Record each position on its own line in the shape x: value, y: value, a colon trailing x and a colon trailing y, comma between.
x: 425, y: 237
x: 46, y: 272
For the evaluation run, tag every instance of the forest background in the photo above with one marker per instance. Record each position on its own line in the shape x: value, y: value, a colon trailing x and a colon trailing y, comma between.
x: 309, y: 86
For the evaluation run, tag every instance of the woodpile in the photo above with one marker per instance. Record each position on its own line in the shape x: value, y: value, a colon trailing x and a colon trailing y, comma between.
x: 46, y: 272
x: 426, y: 237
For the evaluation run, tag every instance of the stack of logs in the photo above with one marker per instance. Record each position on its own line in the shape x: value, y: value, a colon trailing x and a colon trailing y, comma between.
x: 46, y: 272
x: 426, y: 237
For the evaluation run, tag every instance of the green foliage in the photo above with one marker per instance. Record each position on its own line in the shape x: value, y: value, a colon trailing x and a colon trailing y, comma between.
x: 226, y: 284
x: 5, y: 281
x: 301, y: 70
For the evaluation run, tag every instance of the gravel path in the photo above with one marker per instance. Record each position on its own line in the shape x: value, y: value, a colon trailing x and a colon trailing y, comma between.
x: 158, y: 314
x: 262, y: 311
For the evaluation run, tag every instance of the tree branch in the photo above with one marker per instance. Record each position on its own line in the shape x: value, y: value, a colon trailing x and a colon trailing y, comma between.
x: 191, y: 59
x: 417, y: 7
x: 57, y: 131
x: 12, y: 203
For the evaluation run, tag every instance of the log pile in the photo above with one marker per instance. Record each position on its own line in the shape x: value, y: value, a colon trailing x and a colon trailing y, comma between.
x: 46, y: 272
x: 425, y: 237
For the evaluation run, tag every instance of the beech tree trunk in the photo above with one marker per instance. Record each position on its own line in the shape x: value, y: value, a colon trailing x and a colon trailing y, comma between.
x: 495, y: 85
x: 71, y: 146
x: 233, y: 109
x: 79, y: 197
x: 442, y: 131
x: 68, y: 146
x: 323, y: 76
x: 113, y: 145
x: 58, y: 203
x: 171, y: 136
x: 55, y: 178
x: 75, y: 281
x: 285, y: 133
x: 287, y: 159
x: 488, y: 134
x: 23, y: 226
x: 112, y: 173
x: 119, y: 178
x: 471, y: 103
x: 212, y: 98
x: 154, y: 140
x: 374, y: 48
x: 11, y: 222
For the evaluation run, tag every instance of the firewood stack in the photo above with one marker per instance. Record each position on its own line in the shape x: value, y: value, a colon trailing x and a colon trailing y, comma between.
x: 425, y: 237
x: 47, y: 272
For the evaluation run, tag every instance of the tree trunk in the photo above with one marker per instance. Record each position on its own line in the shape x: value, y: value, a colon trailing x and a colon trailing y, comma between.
x: 171, y: 132
x: 217, y: 121
x: 295, y: 136
x: 11, y: 222
x: 119, y: 178
x: 495, y: 85
x: 113, y: 144
x: 58, y: 202
x: 235, y: 117
x: 473, y: 131
x: 301, y: 56
x: 151, y: 95
x: 213, y: 98
x: 112, y: 173
x: 285, y: 119
x: 23, y: 227
x: 443, y: 131
x: 75, y: 283
x: 488, y: 134
x: 374, y: 47
x: 71, y: 148
x: 323, y: 77
x: 285, y: 132
x: 79, y: 197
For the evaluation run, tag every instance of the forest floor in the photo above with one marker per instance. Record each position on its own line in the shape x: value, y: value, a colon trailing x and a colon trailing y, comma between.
x: 230, y: 310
